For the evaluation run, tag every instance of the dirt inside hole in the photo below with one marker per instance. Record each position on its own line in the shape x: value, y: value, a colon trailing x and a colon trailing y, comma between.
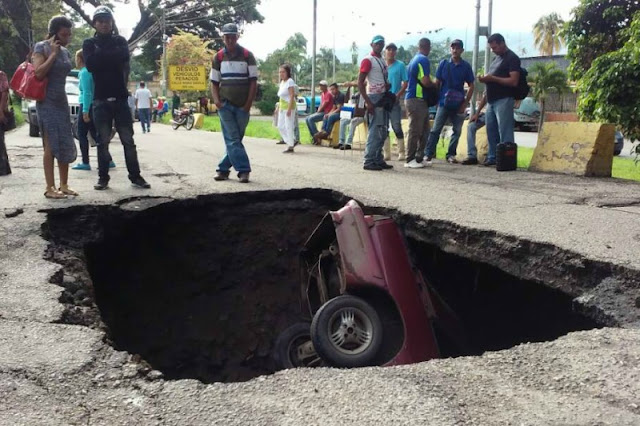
x: 201, y: 288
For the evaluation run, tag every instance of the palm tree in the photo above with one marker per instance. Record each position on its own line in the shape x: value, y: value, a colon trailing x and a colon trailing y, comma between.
x: 547, y: 79
x: 547, y: 34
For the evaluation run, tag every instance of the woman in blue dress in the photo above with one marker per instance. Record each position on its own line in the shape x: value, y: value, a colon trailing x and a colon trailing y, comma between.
x: 53, y: 61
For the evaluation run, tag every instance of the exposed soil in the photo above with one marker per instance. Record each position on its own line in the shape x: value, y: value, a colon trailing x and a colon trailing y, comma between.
x: 201, y: 288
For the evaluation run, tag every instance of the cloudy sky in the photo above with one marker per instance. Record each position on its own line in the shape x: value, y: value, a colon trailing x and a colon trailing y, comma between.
x: 356, y: 20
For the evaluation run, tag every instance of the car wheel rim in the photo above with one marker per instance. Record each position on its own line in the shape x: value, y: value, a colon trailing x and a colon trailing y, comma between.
x: 350, y: 331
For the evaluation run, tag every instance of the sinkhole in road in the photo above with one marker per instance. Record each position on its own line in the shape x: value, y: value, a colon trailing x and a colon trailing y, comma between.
x: 201, y: 288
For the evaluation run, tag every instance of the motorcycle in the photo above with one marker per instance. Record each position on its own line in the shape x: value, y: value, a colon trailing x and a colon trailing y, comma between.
x: 184, y: 118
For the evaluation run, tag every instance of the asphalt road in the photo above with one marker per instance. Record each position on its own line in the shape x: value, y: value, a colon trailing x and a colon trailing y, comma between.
x: 580, y: 236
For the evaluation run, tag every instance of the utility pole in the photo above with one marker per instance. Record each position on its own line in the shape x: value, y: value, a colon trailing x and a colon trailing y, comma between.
x: 312, y: 108
x: 487, y: 51
x: 333, y: 22
x: 164, y: 55
x: 474, y: 65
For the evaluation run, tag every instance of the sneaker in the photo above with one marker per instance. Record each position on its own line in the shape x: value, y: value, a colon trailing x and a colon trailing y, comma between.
x: 221, y: 176
x: 372, y: 167
x: 112, y: 165
x: 428, y: 160
x: 288, y: 151
x: 469, y: 161
x: 81, y: 166
x: 401, y: 157
x: 489, y: 163
x: 139, y: 182
x: 243, y: 177
x: 386, y: 166
x: 413, y: 164
x: 345, y: 148
x: 281, y: 142
x: 339, y: 146
x: 102, y: 184
x: 452, y: 160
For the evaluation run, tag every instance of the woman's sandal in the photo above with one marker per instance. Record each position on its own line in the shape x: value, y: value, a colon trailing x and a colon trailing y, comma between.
x: 65, y: 189
x: 54, y: 194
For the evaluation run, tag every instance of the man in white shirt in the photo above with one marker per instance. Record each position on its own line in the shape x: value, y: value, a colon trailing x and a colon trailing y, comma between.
x: 143, y: 105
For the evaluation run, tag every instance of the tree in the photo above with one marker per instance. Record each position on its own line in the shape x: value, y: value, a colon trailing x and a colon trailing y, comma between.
x: 293, y: 53
x: 608, y: 90
x: 547, y: 33
x: 597, y: 28
x: 354, y: 53
x: 547, y: 79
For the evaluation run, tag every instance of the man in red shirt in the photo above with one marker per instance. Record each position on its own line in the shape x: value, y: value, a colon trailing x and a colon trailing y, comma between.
x: 326, y: 103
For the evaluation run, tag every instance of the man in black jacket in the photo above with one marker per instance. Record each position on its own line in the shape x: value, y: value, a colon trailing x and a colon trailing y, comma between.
x: 107, y: 58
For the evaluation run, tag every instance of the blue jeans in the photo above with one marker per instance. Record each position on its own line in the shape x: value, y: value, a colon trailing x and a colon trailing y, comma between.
x: 83, y: 131
x: 378, y: 131
x: 145, y: 118
x: 499, y: 119
x: 442, y: 115
x: 104, y: 114
x: 327, y: 123
x: 395, y: 117
x: 233, y: 121
x: 352, y: 123
x: 472, y: 128
x: 312, y: 120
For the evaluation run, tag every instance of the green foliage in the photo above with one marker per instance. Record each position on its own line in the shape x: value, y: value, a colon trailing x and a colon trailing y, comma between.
x: 267, y: 103
x: 292, y: 53
x: 548, y: 35
x: 596, y: 28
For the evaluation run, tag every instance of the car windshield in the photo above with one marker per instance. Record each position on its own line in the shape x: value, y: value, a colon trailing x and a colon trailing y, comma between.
x: 71, y: 87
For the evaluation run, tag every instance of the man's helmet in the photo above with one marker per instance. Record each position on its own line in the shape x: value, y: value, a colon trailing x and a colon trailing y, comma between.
x: 102, y: 12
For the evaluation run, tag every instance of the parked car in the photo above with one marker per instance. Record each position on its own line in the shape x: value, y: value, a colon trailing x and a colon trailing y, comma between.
x: 527, y: 115
x: 29, y: 106
x: 369, y: 305
x: 301, y: 105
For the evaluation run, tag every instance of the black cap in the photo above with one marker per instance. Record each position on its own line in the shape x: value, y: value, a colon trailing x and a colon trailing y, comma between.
x: 391, y: 46
x: 457, y: 42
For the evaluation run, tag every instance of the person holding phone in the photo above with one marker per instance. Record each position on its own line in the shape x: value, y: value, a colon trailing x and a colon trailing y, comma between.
x: 53, y: 61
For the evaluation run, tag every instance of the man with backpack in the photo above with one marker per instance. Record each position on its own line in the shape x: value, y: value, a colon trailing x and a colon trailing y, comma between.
x: 451, y: 76
x: 234, y: 78
x: 502, y: 81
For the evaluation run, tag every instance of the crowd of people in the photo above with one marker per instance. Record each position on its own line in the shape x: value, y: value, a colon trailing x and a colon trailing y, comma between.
x: 386, y: 91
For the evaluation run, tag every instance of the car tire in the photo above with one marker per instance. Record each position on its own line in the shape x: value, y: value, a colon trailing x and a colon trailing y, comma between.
x: 291, y: 349
x: 34, y: 130
x: 347, y: 332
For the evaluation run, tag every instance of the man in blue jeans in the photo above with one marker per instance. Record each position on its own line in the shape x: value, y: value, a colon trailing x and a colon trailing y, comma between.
x: 373, y: 82
x: 501, y: 80
x: 450, y: 77
x: 234, y: 78
x: 107, y: 59
x: 326, y: 103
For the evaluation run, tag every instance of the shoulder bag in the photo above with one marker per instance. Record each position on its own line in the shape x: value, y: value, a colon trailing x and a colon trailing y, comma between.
x: 452, y: 98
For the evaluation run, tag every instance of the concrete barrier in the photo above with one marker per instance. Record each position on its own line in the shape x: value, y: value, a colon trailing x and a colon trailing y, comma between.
x: 581, y: 149
x: 482, y: 143
x: 199, y: 120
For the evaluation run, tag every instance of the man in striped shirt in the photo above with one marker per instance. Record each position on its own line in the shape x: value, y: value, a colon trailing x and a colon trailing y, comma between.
x: 234, y: 77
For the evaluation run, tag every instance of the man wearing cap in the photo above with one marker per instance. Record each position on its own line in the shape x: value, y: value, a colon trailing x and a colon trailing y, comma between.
x: 502, y: 77
x: 107, y: 59
x: 450, y: 78
x: 234, y: 78
x: 373, y: 82
x: 417, y: 108
x: 326, y: 103
x: 398, y: 80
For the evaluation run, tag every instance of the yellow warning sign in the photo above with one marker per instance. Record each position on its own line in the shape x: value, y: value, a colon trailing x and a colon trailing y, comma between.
x: 187, y: 77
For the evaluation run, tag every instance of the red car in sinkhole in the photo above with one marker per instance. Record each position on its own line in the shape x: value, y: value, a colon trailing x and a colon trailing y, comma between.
x: 367, y: 304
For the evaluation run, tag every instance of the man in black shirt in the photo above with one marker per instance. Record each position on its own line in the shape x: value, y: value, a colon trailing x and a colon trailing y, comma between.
x: 107, y: 58
x: 501, y: 81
